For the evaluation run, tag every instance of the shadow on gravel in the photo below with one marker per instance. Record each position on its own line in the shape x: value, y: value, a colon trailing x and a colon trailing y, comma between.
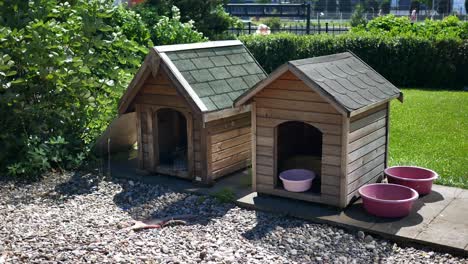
x: 79, y: 183
x: 267, y: 223
x: 145, y: 201
x: 50, y: 185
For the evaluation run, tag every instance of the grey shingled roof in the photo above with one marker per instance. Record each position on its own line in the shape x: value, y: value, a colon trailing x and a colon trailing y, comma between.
x: 218, y: 75
x: 347, y: 79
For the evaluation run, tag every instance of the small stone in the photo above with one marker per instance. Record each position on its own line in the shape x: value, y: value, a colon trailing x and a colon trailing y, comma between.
x: 368, y: 239
x: 202, y: 255
x: 164, y: 250
x: 360, y: 235
x: 293, y: 252
x: 370, y: 246
x: 131, y: 183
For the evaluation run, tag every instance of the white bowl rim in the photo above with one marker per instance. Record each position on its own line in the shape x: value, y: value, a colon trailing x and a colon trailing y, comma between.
x: 415, y: 195
x: 410, y: 179
x: 306, y: 180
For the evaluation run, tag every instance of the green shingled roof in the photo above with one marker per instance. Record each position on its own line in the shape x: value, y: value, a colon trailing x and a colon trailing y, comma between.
x: 218, y: 75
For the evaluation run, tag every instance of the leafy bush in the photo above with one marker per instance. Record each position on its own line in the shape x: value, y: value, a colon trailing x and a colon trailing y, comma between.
x: 404, y: 60
x: 274, y: 23
x: 63, y: 68
x: 450, y: 26
x: 208, y: 15
x: 172, y: 31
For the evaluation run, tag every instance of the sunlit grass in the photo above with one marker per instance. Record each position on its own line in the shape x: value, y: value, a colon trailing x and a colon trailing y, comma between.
x: 430, y: 129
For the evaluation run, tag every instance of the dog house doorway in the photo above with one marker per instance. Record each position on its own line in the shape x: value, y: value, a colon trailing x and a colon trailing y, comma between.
x: 172, y: 142
x: 299, y: 146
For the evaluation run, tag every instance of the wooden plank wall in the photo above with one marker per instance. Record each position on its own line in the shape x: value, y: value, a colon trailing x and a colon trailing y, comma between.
x: 367, y: 144
x: 229, y: 141
x: 289, y: 99
x: 155, y: 94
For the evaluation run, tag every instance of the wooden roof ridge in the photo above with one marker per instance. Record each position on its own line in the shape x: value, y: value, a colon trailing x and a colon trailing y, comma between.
x: 350, y: 96
x: 199, y: 45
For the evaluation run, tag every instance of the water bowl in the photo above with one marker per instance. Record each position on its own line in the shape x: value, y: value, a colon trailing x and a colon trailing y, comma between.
x: 297, y: 180
x: 417, y: 178
x: 388, y: 200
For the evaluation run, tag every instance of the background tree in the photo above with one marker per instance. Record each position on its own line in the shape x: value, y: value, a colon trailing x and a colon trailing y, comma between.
x: 344, y: 6
x: 385, y: 6
x: 444, y: 6
x: 331, y: 6
x: 415, y: 5
x: 372, y: 6
x: 319, y: 5
x: 358, y: 17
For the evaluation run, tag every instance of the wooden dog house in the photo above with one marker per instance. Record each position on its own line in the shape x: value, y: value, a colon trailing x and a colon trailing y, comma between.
x: 328, y: 114
x: 183, y: 97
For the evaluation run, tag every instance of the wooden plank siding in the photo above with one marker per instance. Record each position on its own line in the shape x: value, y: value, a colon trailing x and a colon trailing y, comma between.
x: 230, y: 146
x: 289, y: 99
x: 367, y: 144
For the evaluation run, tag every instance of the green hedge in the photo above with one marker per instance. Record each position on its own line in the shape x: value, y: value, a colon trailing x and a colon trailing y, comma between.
x: 404, y: 60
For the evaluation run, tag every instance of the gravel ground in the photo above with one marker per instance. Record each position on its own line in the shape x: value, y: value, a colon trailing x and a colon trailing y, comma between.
x: 68, y: 218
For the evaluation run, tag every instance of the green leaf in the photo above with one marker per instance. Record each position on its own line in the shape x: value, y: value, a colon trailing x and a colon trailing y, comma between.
x: 18, y: 81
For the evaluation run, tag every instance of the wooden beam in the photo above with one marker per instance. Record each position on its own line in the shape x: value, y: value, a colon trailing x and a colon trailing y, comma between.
x: 387, y: 133
x: 155, y: 137
x: 154, y: 61
x: 151, y: 139
x: 190, y: 150
x: 199, y: 45
x: 344, y: 163
x: 253, y: 133
x: 211, y: 116
x: 139, y: 137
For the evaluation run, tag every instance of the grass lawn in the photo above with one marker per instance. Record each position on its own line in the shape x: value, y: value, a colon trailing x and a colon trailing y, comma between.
x: 430, y: 129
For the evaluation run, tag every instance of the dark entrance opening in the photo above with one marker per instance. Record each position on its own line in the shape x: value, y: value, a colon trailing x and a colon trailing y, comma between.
x: 299, y: 146
x: 172, y: 140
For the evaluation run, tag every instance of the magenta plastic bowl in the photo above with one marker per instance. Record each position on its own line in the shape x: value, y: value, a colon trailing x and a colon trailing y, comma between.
x: 387, y: 200
x: 297, y: 180
x: 417, y: 178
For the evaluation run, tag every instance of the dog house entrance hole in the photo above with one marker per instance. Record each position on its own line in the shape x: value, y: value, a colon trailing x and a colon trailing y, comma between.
x: 299, y: 146
x: 172, y: 141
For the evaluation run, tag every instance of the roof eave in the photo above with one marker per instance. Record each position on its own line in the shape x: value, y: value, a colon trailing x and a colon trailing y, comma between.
x: 376, y: 104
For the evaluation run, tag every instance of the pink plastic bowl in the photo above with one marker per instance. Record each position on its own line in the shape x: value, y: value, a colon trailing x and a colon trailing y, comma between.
x: 297, y: 180
x: 417, y: 178
x: 387, y: 200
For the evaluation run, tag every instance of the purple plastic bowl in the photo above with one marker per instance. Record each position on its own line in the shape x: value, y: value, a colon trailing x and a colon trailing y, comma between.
x: 297, y: 180
x: 417, y: 178
x: 387, y: 200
